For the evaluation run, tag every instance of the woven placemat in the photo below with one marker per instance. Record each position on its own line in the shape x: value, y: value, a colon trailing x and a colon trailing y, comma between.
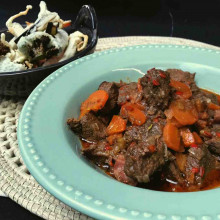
x: 15, y: 180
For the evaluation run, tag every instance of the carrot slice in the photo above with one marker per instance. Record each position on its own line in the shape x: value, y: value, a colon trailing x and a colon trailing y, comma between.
x: 140, y: 106
x: 175, y: 122
x: 94, y: 102
x: 213, y: 106
x: 117, y: 125
x: 67, y: 24
x: 187, y: 137
x: 171, y: 137
x: 134, y: 114
x: 198, y: 139
x: 171, y: 118
x: 184, y: 112
x: 184, y: 89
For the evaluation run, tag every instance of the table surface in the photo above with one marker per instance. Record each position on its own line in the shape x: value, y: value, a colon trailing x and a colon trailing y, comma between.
x: 196, y: 20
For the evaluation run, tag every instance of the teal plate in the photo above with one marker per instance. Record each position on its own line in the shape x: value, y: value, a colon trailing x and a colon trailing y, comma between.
x: 52, y: 152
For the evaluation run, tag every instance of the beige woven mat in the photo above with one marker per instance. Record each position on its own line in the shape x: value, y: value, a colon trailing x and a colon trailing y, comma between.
x: 15, y: 180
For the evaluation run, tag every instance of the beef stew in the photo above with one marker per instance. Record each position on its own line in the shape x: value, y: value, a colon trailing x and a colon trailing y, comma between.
x: 160, y: 133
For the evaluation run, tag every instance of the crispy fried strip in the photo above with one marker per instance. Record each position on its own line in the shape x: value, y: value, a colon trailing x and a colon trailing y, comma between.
x: 15, y: 28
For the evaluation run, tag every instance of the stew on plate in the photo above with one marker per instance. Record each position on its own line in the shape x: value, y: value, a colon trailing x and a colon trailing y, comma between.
x: 161, y: 132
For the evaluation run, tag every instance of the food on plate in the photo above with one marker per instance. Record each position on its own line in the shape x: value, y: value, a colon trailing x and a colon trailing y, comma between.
x: 160, y: 133
x: 41, y: 43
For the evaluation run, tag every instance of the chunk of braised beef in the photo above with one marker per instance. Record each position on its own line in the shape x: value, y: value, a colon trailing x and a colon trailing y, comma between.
x: 216, y: 128
x: 213, y: 141
x: 214, y: 145
x: 217, y: 116
x: 156, y: 89
x: 189, y: 169
x: 182, y: 76
x: 103, y: 118
x: 141, y: 163
x: 112, y: 89
x: 217, y: 162
x: 135, y: 133
x: 146, y: 152
x: 198, y: 164
x: 119, y: 171
x: 97, y: 149
x: 174, y: 174
x: 189, y: 79
x: 99, y: 152
x: 89, y: 127
x: 144, y: 134
x: 211, y: 97
x: 185, y: 77
x: 129, y: 93
x: 204, y: 98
